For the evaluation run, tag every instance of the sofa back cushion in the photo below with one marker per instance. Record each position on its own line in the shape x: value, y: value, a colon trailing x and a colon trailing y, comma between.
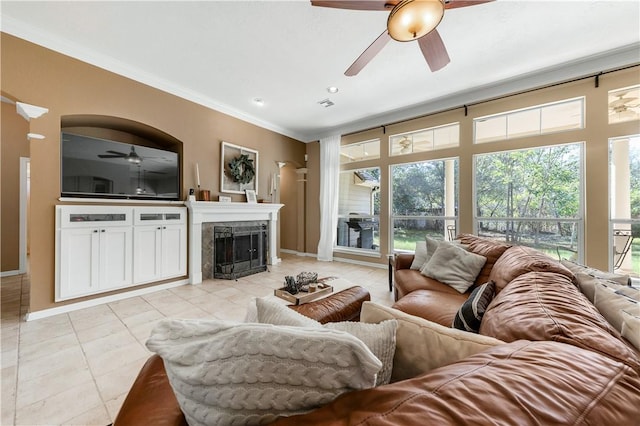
x: 422, y: 345
x: 548, y: 306
x: 524, y: 383
x: 490, y: 249
x: 519, y: 260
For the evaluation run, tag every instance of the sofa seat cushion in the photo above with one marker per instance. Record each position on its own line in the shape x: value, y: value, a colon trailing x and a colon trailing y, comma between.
x: 519, y: 260
x: 524, y: 383
x: 438, y: 306
x: 548, y: 306
x: 409, y: 280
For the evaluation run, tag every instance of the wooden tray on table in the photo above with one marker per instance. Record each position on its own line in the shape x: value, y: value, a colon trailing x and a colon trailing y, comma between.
x: 304, y: 296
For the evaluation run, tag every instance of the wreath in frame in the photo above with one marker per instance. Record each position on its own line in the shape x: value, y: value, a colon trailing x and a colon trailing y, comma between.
x: 241, y: 169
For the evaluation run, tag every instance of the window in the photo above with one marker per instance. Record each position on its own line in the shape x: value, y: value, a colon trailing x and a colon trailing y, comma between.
x: 532, y: 197
x: 538, y: 120
x: 360, y: 151
x: 624, y: 204
x: 424, y: 202
x: 431, y: 139
x: 624, y: 104
x: 359, y: 210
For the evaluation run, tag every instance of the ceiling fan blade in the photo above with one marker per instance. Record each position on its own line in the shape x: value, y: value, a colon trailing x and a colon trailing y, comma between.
x: 622, y: 102
x: 454, y: 4
x: 110, y: 156
x: 356, y: 4
x: 369, y: 53
x: 118, y: 153
x: 434, y: 51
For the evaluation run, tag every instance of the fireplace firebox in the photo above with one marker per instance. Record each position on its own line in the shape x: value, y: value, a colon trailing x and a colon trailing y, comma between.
x: 239, y: 249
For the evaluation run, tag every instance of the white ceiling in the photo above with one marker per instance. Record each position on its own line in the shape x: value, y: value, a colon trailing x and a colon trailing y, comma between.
x: 225, y: 54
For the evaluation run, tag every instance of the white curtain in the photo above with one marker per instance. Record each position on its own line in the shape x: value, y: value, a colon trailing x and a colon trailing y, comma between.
x: 329, y: 175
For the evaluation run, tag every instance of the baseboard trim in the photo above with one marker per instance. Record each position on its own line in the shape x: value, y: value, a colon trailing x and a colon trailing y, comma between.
x: 11, y: 273
x: 297, y: 253
x: 338, y: 259
x: 360, y: 262
x: 101, y: 300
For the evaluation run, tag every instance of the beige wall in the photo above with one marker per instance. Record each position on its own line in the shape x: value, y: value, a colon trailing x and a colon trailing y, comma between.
x: 14, y: 143
x: 67, y: 86
x: 595, y: 136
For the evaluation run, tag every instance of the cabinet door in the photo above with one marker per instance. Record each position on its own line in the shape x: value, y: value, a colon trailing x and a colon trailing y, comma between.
x: 79, y: 262
x: 115, y: 257
x: 174, y: 250
x: 146, y: 258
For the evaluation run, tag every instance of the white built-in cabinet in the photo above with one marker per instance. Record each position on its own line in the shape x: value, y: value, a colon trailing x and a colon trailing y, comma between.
x: 103, y: 248
x: 160, y: 244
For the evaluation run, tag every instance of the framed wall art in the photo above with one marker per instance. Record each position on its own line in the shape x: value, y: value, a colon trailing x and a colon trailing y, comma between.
x: 251, y: 196
x: 238, y: 169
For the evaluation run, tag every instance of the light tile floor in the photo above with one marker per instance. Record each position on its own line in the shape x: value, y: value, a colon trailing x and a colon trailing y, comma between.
x: 76, y: 368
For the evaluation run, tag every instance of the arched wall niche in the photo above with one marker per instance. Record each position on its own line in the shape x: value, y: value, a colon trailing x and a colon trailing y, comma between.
x: 121, y: 128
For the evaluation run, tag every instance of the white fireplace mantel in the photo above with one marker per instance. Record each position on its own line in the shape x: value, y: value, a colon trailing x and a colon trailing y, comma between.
x: 210, y: 211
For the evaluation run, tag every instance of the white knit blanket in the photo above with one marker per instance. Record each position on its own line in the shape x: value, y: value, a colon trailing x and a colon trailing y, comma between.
x: 249, y: 374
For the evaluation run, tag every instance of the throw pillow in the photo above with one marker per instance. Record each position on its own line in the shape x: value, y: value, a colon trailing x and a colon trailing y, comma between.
x: 631, y: 328
x: 272, y: 312
x: 611, y: 304
x: 234, y: 373
x: 422, y: 345
x: 454, y: 266
x: 470, y: 313
x: 379, y: 338
x: 420, y: 255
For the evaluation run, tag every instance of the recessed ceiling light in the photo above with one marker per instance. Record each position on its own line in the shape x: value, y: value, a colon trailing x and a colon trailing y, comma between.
x: 258, y: 101
x: 332, y: 89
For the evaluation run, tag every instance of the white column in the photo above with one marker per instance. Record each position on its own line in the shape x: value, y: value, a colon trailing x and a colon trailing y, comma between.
x: 195, y: 253
x: 273, y: 229
x: 449, y: 194
x: 620, y: 195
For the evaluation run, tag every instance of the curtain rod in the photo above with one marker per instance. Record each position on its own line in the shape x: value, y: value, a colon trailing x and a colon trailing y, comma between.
x: 522, y: 92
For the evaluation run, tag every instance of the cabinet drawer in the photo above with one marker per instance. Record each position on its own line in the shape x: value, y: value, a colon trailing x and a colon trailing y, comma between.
x: 159, y: 215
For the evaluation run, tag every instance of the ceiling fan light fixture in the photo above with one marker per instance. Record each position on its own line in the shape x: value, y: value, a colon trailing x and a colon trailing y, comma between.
x: 133, y: 157
x: 411, y: 19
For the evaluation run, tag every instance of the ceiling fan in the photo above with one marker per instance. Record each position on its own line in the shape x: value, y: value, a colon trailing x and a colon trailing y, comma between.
x: 408, y: 20
x: 131, y: 157
x: 624, y: 105
x: 405, y: 144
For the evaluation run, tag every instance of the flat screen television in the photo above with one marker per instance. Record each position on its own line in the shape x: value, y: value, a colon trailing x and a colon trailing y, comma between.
x: 94, y: 167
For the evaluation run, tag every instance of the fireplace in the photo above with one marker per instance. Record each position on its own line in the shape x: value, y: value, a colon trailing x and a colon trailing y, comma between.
x: 239, y: 249
x: 205, y: 216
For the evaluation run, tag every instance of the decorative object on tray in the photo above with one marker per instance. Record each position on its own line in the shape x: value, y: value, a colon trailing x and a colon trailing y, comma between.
x: 305, y: 278
x: 238, y: 169
x: 304, y: 288
x: 290, y: 285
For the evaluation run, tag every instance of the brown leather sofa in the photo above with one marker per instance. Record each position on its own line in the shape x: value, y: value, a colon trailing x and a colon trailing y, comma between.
x: 562, y: 363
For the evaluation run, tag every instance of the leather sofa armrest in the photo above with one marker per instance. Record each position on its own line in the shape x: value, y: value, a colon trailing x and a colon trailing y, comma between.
x: 403, y: 260
x: 151, y: 401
